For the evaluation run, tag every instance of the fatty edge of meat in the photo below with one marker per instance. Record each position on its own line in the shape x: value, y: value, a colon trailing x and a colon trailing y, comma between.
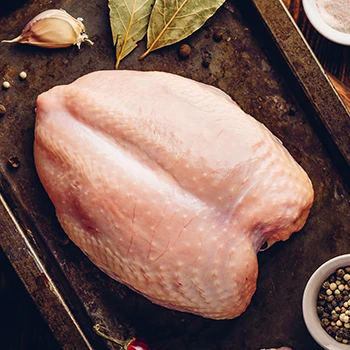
x: 167, y: 185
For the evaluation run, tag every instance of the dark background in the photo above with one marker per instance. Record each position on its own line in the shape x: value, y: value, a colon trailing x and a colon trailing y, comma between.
x: 21, y: 325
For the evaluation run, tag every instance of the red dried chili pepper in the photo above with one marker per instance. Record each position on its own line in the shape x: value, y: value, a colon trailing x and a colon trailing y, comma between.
x: 131, y: 344
x: 137, y: 345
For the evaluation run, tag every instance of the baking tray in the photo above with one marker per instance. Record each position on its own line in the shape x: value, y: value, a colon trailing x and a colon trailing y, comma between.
x: 264, y: 63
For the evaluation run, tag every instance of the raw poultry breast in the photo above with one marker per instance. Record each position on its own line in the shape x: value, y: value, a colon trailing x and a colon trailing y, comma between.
x: 167, y: 185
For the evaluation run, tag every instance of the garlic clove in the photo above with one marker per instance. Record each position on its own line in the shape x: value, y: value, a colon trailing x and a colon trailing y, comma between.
x: 53, y: 29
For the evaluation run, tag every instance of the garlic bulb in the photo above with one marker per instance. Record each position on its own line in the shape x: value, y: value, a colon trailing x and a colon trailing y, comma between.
x: 53, y: 29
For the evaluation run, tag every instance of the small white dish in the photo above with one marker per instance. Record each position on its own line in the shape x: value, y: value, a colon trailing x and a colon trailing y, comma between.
x: 310, y: 302
x: 315, y: 18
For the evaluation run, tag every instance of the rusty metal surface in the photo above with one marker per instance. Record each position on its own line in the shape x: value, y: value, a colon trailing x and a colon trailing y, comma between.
x: 71, y: 292
x: 332, y: 117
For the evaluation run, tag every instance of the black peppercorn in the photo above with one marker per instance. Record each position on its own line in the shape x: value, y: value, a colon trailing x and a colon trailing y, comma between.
x: 328, y: 308
x: 322, y: 296
x: 340, y: 274
x: 340, y: 333
x: 206, y: 58
x: 320, y: 309
x: 205, y: 63
x: 325, y: 285
x: 13, y: 163
x: 339, y: 297
x: 325, y: 322
x: 330, y: 298
x: 326, y: 315
x: 334, y: 317
x: 329, y: 330
x: 185, y: 50
x: 218, y: 35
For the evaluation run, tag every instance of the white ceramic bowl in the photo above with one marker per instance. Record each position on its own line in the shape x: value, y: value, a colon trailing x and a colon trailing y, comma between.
x: 323, y: 28
x: 310, y: 302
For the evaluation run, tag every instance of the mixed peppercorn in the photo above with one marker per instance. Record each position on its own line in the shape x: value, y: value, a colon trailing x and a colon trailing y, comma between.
x: 333, y: 305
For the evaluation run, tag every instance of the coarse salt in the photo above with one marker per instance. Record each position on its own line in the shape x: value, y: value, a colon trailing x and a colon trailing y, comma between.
x: 335, y: 13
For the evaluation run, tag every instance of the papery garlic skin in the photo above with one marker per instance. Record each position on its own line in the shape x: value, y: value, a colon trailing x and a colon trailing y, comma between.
x: 53, y: 29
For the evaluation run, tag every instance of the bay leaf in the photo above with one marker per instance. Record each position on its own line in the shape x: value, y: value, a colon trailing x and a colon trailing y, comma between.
x: 129, y: 20
x: 174, y: 20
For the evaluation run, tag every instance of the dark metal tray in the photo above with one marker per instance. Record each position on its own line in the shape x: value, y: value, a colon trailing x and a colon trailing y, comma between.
x: 264, y: 63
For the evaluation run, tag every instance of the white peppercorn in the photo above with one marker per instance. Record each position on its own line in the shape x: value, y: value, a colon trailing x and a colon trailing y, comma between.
x: 333, y: 286
x: 23, y: 75
x: 6, y: 85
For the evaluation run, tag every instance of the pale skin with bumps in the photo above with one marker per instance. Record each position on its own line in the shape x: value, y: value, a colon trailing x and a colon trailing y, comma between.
x: 168, y: 186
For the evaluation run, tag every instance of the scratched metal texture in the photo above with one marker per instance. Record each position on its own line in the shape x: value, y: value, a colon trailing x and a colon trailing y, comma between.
x: 69, y: 290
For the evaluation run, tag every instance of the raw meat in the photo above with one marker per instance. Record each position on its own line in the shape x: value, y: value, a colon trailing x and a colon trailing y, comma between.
x: 168, y: 186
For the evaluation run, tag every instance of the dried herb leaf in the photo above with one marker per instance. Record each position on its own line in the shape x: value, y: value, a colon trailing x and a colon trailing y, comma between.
x: 174, y: 20
x: 129, y: 20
